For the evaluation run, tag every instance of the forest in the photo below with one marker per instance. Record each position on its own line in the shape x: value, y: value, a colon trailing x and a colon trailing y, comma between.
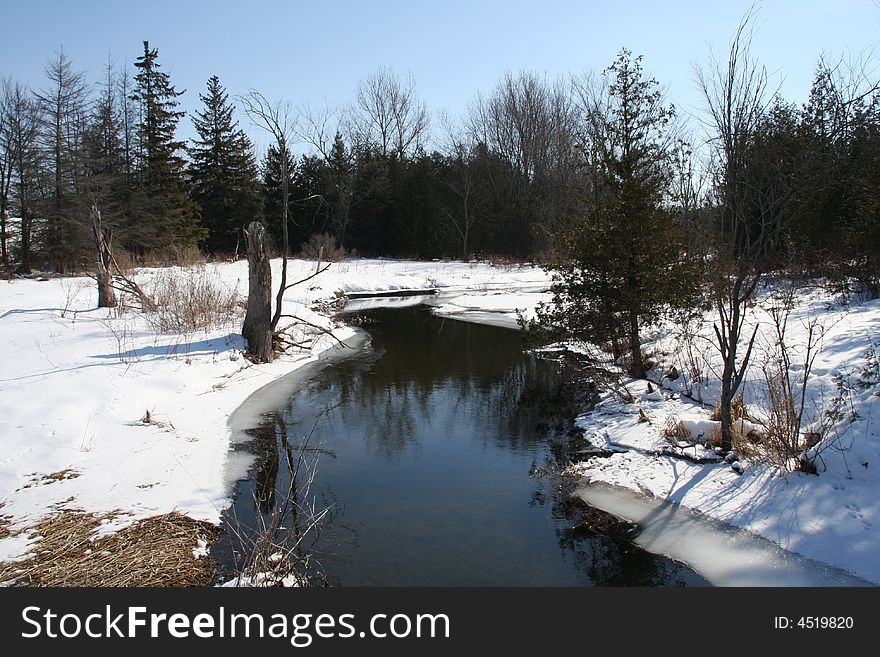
x: 383, y: 176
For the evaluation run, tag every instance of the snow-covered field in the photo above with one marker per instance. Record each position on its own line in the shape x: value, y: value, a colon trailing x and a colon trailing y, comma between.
x: 76, y: 385
x: 101, y: 412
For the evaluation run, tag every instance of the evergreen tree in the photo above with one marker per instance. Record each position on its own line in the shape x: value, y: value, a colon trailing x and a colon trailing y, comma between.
x: 862, y: 228
x: 341, y: 170
x: 223, y: 172
x: 62, y: 112
x: 272, y: 203
x: 167, y: 216
x: 19, y: 143
x: 622, y: 261
x: 109, y: 180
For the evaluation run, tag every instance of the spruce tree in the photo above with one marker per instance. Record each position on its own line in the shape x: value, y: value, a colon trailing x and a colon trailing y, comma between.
x: 62, y: 108
x: 271, y: 173
x: 223, y: 172
x: 166, y: 215
x: 104, y: 152
x: 622, y: 262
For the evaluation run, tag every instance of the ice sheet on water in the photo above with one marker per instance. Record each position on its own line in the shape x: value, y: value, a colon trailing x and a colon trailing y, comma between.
x: 723, y: 555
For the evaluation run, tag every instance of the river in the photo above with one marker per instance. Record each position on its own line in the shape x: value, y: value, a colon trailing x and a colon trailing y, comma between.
x: 429, y: 445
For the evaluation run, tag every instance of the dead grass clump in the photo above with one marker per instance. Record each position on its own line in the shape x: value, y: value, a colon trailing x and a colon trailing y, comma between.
x: 738, y: 410
x: 745, y: 445
x: 51, y: 478
x: 5, y: 524
x: 157, y: 551
x: 675, y: 429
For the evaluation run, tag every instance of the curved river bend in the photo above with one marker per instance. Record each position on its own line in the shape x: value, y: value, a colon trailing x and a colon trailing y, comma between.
x: 428, y: 439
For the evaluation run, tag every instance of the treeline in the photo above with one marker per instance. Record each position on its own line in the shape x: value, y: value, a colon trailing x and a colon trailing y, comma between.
x: 382, y: 176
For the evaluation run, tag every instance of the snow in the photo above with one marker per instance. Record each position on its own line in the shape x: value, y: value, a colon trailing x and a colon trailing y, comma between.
x: 831, y: 517
x: 100, y: 412
x: 76, y: 384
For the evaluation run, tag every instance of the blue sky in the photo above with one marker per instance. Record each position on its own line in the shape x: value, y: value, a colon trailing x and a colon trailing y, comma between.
x: 307, y: 51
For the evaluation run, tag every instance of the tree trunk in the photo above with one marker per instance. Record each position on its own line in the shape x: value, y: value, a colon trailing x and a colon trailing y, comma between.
x: 285, y: 243
x: 637, y: 367
x: 4, y: 223
x: 726, y: 416
x: 106, y: 295
x: 257, y: 329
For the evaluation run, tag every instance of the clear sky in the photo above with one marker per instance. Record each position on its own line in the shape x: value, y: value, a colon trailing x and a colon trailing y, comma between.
x: 308, y: 51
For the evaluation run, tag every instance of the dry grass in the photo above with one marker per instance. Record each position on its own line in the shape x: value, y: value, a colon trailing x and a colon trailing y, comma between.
x: 183, y: 256
x: 738, y: 410
x: 5, y: 524
x: 746, y: 445
x: 51, y: 478
x: 157, y: 551
x: 675, y: 429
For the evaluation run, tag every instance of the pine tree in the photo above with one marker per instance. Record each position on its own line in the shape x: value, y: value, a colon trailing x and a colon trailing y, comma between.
x: 107, y: 184
x: 62, y: 112
x: 223, y: 172
x: 271, y: 174
x: 19, y: 142
x: 622, y: 260
x: 165, y: 213
x: 341, y: 169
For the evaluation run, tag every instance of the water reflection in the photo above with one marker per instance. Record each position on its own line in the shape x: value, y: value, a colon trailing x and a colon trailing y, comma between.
x: 426, y: 442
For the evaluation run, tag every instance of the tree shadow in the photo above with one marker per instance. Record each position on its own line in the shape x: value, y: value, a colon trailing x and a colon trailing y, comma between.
x: 29, y: 311
x: 228, y: 342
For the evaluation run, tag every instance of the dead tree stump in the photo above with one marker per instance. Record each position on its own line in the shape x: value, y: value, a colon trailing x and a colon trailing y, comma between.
x: 103, y: 236
x: 257, y: 329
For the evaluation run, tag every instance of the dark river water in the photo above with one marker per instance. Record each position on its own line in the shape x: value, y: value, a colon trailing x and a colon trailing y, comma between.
x: 429, y: 447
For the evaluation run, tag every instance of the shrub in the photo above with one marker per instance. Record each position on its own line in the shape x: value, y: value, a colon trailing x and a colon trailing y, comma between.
x: 189, y: 300
x: 322, y: 246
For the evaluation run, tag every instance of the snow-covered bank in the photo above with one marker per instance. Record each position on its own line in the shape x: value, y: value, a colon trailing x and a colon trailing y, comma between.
x: 831, y: 517
x: 76, y: 384
x: 101, y: 412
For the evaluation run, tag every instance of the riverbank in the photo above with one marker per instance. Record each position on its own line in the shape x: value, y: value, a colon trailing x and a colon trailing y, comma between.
x: 105, y: 415
x: 660, y: 446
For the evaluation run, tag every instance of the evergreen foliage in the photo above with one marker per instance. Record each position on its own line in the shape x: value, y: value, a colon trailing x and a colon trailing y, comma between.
x: 166, y: 216
x: 223, y: 171
x: 622, y: 261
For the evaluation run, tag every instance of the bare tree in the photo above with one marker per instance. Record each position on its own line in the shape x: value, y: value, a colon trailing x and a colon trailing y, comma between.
x: 750, y: 224
x: 257, y: 328
x: 326, y: 129
x: 531, y: 125
x: 274, y: 118
x: 104, y: 261
x: 461, y: 181
x: 388, y: 116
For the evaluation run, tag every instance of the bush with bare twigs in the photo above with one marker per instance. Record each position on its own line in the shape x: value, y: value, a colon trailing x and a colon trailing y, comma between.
x: 281, y: 550
x: 787, y: 369
x: 188, y: 300
x: 322, y: 247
